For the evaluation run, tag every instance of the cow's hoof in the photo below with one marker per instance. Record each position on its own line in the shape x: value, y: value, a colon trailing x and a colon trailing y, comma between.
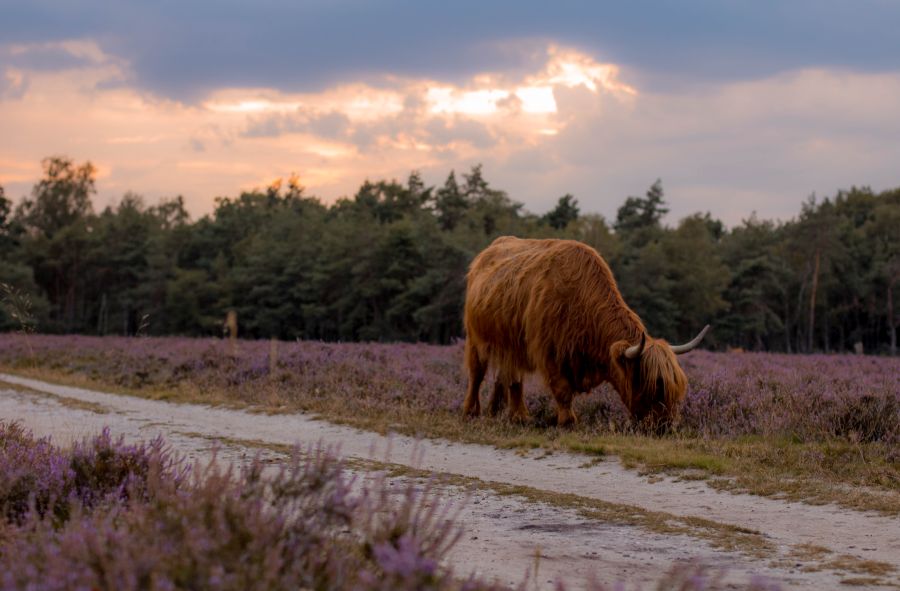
x: 566, y: 420
x: 520, y: 419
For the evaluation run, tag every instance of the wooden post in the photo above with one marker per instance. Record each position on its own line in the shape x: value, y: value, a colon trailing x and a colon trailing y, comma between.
x: 231, y: 327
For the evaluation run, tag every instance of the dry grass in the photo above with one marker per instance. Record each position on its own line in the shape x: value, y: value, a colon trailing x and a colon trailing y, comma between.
x: 63, y: 400
x: 811, y: 557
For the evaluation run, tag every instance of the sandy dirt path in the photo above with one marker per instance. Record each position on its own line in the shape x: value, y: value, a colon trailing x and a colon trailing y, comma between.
x: 503, y: 533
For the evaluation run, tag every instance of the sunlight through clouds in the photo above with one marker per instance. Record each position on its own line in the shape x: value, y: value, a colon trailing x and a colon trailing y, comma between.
x: 481, y: 99
x: 571, y: 68
x: 253, y: 106
x: 446, y: 99
x: 361, y: 102
x: 238, y: 138
x: 536, y: 99
x: 567, y: 123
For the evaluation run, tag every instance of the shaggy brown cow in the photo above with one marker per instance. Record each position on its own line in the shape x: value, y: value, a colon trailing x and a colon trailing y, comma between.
x: 552, y: 306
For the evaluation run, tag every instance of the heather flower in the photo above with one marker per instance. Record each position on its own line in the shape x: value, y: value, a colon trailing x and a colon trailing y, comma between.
x: 404, y: 562
x: 131, y: 517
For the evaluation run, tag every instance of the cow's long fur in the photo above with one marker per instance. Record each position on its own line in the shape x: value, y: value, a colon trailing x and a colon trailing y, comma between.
x: 552, y: 306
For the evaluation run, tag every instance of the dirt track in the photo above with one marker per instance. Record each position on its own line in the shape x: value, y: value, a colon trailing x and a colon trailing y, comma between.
x: 504, y: 533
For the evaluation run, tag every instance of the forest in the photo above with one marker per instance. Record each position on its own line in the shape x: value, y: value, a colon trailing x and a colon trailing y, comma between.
x: 389, y: 263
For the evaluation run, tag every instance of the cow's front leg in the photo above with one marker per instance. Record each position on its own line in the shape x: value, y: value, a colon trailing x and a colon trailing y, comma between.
x: 563, y: 393
x: 477, y: 367
x: 518, y: 412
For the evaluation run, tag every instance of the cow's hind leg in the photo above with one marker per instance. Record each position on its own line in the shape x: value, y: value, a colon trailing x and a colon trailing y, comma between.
x: 563, y: 393
x: 477, y: 366
x: 498, y: 398
x: 518, y: 412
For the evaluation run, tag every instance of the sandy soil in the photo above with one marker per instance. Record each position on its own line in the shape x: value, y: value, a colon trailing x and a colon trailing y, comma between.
x: 504, y: 534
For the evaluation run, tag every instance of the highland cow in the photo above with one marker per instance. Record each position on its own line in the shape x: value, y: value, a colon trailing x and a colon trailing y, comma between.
x: 552, y: 306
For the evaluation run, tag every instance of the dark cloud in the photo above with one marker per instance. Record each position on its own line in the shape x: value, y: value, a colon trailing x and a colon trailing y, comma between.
x: 445, y: 131
x: 331, y: 125
x: 43, y: 58
x: 185, y: 49
x: 366, y: 134
x: 269, y: 126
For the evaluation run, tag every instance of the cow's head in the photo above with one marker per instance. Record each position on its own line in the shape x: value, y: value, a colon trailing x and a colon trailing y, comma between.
x: 648, y: 378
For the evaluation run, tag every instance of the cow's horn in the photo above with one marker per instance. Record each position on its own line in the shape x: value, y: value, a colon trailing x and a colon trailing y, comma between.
x: 634, y: 351
x: 679, y: 349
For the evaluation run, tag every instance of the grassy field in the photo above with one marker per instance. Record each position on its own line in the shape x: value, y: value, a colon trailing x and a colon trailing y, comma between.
x: 814, y: 428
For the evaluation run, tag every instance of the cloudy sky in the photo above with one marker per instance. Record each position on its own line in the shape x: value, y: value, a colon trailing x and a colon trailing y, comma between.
x: 738, y: 106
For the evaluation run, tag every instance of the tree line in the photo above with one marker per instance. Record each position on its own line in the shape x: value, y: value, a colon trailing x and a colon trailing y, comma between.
x: 389, y: 263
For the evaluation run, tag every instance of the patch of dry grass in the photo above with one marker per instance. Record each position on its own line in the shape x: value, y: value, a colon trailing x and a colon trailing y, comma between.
x: 63, y: 400
x: 812, y: 557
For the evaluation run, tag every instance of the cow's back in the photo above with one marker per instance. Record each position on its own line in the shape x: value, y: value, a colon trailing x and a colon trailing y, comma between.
x: 527, y: 297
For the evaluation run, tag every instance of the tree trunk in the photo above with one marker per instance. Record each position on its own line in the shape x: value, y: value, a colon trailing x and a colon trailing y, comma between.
x: 795, y: 335
x: 787, y: 327
x: 812, y: 304
x: 892, y: 324
x: 58, y: 299
x: 102, y: 316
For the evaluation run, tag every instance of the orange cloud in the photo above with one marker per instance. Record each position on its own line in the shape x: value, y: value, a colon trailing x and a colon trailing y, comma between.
x: 243, y: 137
